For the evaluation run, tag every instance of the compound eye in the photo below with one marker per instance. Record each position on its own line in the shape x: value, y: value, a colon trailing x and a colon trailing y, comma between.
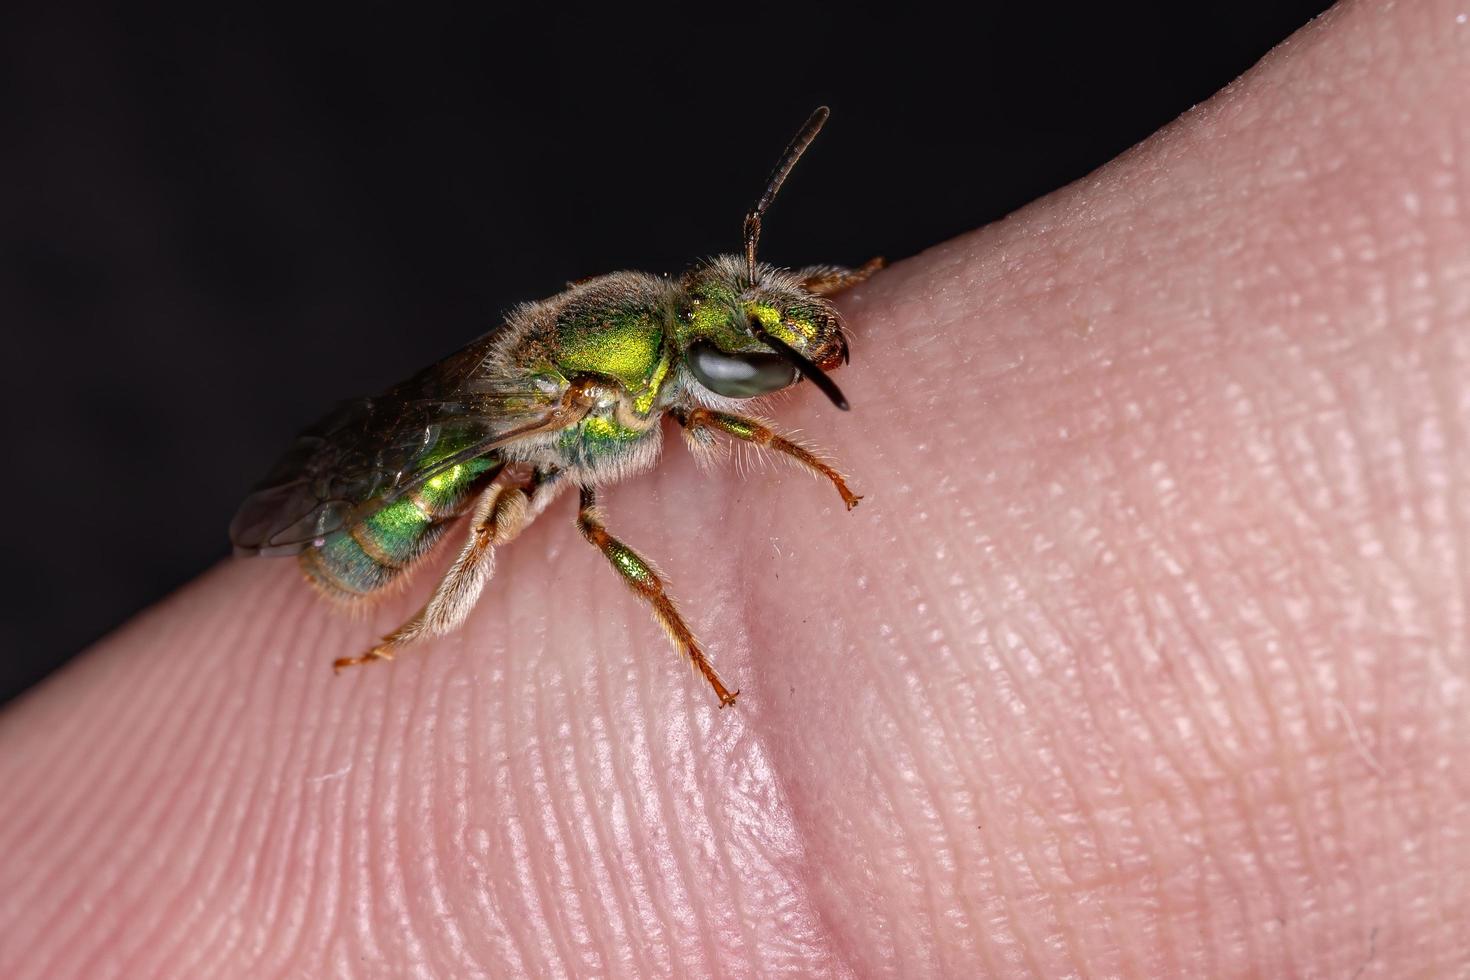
x: 738, y: 375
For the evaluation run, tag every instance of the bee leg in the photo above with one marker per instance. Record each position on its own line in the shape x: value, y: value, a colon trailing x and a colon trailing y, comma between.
x: 499, y: 516
x: 644, y: 580
x: 697, y: 420
x: 829, y: 280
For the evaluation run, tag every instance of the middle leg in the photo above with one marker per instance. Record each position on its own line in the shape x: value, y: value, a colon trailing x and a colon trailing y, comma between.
x: 643, y: 579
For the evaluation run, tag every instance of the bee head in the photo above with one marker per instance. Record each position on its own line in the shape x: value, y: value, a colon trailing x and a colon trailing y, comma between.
x: 744, y: 338
x: 750, y: 329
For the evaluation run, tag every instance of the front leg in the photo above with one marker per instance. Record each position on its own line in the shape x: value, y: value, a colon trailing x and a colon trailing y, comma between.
x: 643, y: 579
x: 758, y: 433
x: 829, y: 280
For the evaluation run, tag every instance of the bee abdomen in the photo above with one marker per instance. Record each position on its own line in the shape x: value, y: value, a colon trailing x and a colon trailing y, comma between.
x: 360, y: 560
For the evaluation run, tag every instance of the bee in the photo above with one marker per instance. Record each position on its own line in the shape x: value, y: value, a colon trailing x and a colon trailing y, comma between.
x: 569, y: 391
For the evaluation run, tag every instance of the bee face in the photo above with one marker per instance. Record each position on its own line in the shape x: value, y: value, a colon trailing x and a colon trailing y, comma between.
x: 732, y: 330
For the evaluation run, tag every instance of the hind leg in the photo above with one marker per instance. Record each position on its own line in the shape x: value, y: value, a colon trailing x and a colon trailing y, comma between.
x: 500, y: 514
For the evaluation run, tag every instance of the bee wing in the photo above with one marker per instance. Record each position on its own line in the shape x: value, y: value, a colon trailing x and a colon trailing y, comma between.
x: 369, y: 452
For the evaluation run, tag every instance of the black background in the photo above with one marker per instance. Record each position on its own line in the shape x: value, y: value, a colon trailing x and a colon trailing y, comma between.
x: 214, y: 226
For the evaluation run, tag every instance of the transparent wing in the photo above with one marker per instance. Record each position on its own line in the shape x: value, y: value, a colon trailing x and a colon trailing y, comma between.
x: 369, y: 452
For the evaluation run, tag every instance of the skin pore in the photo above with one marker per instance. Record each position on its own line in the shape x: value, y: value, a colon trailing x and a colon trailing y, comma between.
x: 1145, y: 653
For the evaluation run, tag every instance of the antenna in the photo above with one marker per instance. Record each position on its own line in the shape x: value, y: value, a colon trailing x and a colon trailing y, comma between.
x: 794, y: 150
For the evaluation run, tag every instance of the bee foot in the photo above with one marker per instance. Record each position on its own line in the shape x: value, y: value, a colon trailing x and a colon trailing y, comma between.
x: 376, y: 653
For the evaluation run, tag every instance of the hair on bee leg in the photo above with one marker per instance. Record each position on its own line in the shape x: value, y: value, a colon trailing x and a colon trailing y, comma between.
x: 756, y: 433
x: 708, y: 452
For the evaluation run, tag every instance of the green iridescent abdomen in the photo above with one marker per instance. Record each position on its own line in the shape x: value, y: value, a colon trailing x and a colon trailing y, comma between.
x: 366, y: 557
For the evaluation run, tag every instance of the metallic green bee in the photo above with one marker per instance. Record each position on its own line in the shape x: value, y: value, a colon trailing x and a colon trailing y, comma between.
x: 568, y: 391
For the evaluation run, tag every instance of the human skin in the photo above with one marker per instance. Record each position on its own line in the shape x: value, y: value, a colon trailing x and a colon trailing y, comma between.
x: 1145, y: 654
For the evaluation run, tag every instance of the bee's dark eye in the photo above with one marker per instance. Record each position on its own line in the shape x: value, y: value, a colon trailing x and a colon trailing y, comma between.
x: 738, y: 375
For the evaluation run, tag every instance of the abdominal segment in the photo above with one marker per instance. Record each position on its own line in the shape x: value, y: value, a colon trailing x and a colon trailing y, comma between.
x: 360, y: 560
